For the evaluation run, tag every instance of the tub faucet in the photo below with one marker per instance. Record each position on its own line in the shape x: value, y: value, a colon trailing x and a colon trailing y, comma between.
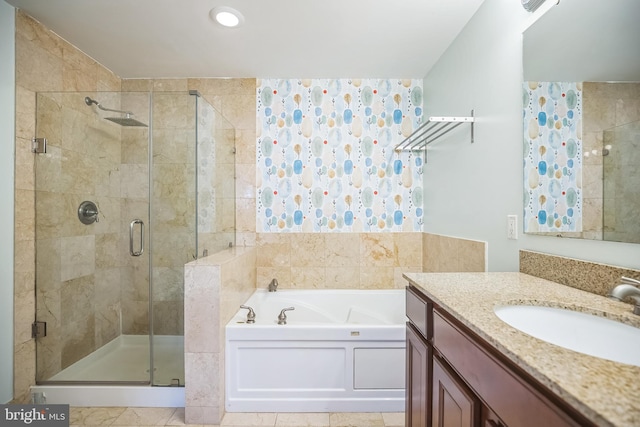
x: 251, y: 315
x: 273, y: 285
x: 282, y: 318
x: 627, y: 288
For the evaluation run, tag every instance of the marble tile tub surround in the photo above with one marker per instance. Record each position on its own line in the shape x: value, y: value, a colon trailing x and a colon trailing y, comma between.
x: 452, y: 254
x: 337, y: 260
x: 585, y: 275
x: 606, y: 392
x: 215, y: 286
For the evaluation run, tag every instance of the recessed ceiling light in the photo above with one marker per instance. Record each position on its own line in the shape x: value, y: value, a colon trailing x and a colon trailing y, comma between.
x: 226, y: 16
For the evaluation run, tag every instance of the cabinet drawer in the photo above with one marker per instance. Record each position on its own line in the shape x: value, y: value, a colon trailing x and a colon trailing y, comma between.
x: 418, y: 311
x: 516, y: 402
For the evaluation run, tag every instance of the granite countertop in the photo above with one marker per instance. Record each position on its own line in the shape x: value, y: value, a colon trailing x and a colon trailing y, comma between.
x: 606, y: 392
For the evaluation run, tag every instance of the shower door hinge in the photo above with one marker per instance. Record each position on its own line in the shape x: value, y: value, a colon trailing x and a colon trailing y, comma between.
x: 38, y: 329
x: 39, y: 145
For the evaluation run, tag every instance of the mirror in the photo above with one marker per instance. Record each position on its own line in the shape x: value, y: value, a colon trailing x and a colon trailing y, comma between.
x: 581, y: 96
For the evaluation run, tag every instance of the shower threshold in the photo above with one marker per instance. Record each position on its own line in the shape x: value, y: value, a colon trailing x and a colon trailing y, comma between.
x: 124, y: 359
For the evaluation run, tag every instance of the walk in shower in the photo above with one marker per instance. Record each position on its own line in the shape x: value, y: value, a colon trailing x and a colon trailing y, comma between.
x: 621, y: 183
x: 131, y: 186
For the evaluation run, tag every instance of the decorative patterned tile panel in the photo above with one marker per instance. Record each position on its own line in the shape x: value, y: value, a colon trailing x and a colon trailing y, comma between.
x: 325, y: 158
x: 552, y: 156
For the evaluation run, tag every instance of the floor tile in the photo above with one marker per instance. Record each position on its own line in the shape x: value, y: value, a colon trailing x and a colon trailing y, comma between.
x: 393, y: 419
x: 356, y: 419
x: 177, y: 418
x: 249, y: 419
x: 94, y: 416
x: 144, y: 417
x: 125, y: 417
x: 302, y: 420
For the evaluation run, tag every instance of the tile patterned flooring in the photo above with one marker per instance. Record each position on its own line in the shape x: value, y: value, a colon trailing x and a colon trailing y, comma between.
x: 121, y: 417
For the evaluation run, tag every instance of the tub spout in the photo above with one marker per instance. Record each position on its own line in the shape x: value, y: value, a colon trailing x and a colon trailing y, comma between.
x: 273, y: 285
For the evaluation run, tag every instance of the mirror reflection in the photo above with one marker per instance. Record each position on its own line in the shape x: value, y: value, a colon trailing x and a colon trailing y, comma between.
x: 581, y: 97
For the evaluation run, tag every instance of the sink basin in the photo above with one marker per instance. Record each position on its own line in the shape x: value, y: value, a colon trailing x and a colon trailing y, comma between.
x: 585, y: 333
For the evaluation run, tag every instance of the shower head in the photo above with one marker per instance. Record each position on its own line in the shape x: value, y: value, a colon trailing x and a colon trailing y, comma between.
x: 126, y: 121
x: 122, y: 121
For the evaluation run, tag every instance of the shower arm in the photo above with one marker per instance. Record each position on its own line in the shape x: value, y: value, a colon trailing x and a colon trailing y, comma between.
x: 90, y: 101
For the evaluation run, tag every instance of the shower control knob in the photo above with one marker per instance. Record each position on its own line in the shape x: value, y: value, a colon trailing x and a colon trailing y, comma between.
x: 88, y: 212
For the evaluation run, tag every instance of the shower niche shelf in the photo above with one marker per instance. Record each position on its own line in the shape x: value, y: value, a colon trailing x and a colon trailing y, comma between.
x: 432, y: 130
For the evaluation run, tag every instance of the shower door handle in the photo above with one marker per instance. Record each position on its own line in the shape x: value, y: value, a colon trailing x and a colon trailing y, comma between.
x: 131, y: 227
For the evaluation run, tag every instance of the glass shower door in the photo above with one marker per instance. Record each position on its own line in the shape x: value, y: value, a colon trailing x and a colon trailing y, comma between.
x: 92, y: 296
x: 621, y: 183
x: 192, y: 212
x: 173, y: 220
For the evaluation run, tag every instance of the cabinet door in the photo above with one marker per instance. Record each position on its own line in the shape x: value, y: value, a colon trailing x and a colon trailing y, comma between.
x: 454, y: 405
x: 418, y: 389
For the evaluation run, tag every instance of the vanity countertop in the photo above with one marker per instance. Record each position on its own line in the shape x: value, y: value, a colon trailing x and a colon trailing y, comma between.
x: 606, y: 392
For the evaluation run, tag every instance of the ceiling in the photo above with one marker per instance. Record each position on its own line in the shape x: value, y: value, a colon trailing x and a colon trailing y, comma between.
x: 279, y: 38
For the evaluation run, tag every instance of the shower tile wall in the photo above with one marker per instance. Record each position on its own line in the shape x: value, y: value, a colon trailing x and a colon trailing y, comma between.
x: 78, y: 267
x: 173, y: 203
x: 44, y: 62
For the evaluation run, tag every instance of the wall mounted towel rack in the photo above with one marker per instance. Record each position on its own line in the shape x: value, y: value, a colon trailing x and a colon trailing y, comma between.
x: 432, y: 130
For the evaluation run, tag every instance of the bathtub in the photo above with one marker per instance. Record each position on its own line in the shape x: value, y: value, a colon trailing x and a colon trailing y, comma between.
x: 340, y: 351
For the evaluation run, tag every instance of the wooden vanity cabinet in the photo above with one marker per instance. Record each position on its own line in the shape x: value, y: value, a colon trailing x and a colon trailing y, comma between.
x: 453, y: 404
x: 418, y: 360
x: 466, y: 382
x: 418, y: 381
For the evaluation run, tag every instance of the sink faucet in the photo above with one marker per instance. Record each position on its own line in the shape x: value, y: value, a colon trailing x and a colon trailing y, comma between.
x: 273, y: 285
x: 627, y: 288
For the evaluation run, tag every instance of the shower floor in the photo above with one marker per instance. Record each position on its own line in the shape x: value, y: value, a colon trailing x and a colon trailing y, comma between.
x: 126, y: 358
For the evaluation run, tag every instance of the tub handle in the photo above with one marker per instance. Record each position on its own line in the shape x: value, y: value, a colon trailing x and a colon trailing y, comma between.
x: 282, y: 318
x: 251, y: 315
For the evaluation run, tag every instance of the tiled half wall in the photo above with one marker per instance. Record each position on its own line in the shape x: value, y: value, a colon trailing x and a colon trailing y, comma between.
x: 443, y: 254
x: 215, y: 287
